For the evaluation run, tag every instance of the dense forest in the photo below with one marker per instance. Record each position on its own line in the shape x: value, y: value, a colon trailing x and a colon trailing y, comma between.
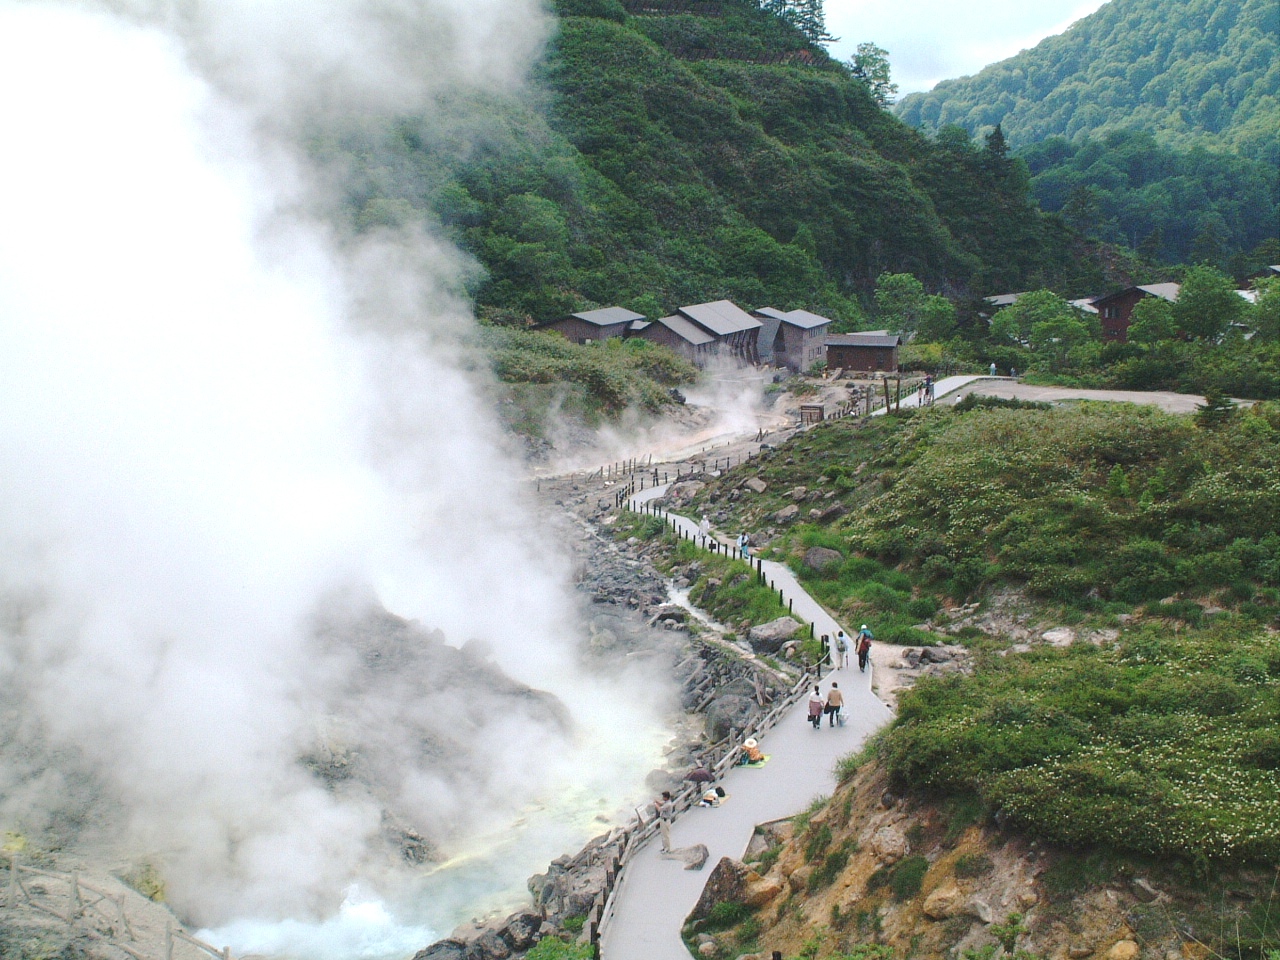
x: 1151, y: 124
x: 1192, y: 72
x: 677, y: 153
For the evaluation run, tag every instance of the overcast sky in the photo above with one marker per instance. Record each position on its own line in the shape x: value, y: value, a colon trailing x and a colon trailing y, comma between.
x: 932, y: 40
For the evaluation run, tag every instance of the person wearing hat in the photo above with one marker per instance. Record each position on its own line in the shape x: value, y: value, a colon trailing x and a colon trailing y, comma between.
x: 751, y: 750
x: 864, y: 647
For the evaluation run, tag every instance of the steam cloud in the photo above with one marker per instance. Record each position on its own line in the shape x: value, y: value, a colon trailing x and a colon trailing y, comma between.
x: 220, y: 415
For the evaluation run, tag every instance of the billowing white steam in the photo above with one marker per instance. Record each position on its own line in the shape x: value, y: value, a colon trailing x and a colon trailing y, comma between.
x: 216, y: 412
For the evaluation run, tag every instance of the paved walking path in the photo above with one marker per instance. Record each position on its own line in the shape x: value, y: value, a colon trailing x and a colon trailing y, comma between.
x: 655, y: 895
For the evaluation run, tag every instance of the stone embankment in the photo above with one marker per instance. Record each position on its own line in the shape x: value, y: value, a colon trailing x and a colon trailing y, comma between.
x: 628, y: 608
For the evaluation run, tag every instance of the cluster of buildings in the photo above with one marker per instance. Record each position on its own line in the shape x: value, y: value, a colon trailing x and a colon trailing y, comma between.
x: 796, y: 339
x: 1115, y: 310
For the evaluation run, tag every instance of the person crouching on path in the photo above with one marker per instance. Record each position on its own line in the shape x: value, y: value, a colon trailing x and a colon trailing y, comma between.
x: 835, y: 701
x: 816, y: 706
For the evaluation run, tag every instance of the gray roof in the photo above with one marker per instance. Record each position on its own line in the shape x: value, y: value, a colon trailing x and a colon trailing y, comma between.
x: 1086, y: 305
x: 683, y: 328
x: 637, y: 325
x: 1165, y: 291
x: 805, y: 320
x: 721, y: 317
x: 863, y: 340
x: 771, y: 312
x: 606, y: 316
x: 1004, y: 299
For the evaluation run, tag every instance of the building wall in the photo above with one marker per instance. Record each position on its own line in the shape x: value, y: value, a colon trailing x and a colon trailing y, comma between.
x: 862, y: 358
x: 579, y: 331
x: 657, y: 333
x: 1115, y: 314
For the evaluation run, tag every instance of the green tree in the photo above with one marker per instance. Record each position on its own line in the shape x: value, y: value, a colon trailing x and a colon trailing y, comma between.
x: 1152, y: 321
x: 937, y: 319
x: 1040, y: 307
x: 1265, y: 314
x: 870, y: 66
x: 1207, y: 303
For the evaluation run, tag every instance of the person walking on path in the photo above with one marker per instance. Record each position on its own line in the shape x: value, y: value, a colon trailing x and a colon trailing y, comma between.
x: 835, y: 702
x: 744, y: 545
x: 864, y: 647
x: 842, y: 650
x: 993, y: 368
x: 816, y: 707
x: 704, y: 530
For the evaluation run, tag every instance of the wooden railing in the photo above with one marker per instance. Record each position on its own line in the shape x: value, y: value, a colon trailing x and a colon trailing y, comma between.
x: 87, y: 906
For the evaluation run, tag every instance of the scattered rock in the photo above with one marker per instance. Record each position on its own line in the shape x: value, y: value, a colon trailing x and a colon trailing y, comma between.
x: 819, y: 558
x: 889, y: 844
x: 761, y: 891
x: 980, y: 910
x: 944, y: 902
x: 787, y: 514
x: 1059, y: 636
x: 1143, y: 890
x: 768, y: 638
x: 756, y: 484
x: 798, y: 493
x: 708, y: 949
x: 1079, y: 951
x: 1123, y: 950
x: 833, y: 512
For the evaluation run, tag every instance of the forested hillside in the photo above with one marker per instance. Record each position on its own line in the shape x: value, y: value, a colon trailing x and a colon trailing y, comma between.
x: 679, y: 153
x: 1192, y: 72
x: 1151, y: 123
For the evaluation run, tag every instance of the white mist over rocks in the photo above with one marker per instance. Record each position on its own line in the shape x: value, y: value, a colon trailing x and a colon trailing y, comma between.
x: 224, y: 420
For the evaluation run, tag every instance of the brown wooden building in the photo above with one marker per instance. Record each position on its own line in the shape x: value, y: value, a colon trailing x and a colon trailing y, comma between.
x: 685, y: 338
x: 795, y: 339
x: 1116, y: 310
x: 735, y: 330
x: 869, y: 352
x: 593, y: 325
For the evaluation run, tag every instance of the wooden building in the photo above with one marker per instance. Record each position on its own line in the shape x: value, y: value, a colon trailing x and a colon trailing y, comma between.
x: 1116, y: 310
x: 594, y: 325
x: 868, y: 352
x: 735, y: 331
x: 685, y: 338
x: 795, y: 339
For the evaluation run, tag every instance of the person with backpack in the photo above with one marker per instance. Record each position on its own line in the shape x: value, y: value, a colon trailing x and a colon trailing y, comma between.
x: 864, y: 647
x: 842, y: 650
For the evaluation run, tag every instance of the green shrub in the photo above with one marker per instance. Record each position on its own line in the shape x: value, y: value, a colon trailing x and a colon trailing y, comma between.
x: 970, y: 865
x: 724, y: 915
x: 908, y: 877
x: 551, y: 948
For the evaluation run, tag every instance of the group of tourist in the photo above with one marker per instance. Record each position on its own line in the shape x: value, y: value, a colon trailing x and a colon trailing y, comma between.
x: 841, y: 651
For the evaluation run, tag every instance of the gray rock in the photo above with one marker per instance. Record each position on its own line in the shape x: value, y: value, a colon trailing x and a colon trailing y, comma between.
x: 819, y: 558
x: 768, y: 638
x: 522, y: 930
x: 490, y: 946
x: 911, y: 655
x: 756, y: 484
x: 798, y: 493
x: 937, y: 655
x: 833, y: 512
x: 787, y: 514
x: 443, y: 950
x: 1143, y: 890
x: 732, y: 712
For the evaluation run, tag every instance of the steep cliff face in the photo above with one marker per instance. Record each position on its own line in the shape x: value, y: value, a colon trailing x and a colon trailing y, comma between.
x: 873, y: 875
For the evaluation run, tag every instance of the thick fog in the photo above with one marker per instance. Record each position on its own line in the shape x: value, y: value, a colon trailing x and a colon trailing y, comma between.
x: 224, y: 421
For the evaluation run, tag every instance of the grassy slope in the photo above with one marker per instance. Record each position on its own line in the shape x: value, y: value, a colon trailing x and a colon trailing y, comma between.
x: 1163, y: 742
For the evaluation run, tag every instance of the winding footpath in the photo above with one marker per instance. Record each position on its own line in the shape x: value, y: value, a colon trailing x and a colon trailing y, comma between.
x: 655, y: 895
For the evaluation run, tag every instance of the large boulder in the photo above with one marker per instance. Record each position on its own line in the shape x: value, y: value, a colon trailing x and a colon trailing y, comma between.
x: 768, y: 638
x: 833, y: 512
x: 946, y: 901
x: 725, y: 885
x: 756, y: 484
x: 730, y: 712
x: 819, y: 558
x: 787, y: 513
x: 443, y: 950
